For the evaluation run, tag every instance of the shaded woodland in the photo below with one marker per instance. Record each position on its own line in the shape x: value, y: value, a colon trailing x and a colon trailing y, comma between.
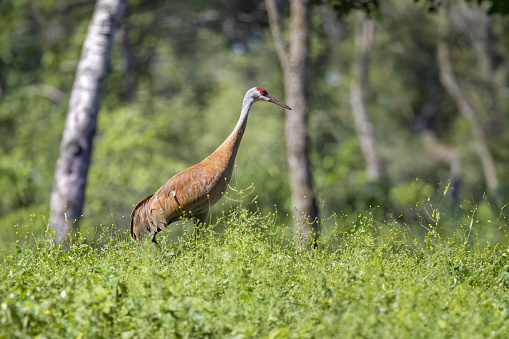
x: 405, y: 108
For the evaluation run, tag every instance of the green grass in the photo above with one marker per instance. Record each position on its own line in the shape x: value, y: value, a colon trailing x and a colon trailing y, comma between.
x: 369, y: 279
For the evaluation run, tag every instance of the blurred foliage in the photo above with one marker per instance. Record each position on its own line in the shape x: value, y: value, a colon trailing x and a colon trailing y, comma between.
x: 191, y: 63
x: 493, y: 6
x: 345, y: 7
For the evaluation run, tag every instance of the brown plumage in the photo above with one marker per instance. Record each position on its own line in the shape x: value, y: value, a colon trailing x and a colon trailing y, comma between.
x: 191, y: 193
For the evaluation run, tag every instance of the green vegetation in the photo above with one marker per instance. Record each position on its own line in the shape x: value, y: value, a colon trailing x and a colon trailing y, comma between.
x: 189, y: 80
x: 241, y: 279
x: 399, y: 257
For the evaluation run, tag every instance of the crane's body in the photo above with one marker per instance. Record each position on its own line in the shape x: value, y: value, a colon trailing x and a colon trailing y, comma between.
x: 191, y: 193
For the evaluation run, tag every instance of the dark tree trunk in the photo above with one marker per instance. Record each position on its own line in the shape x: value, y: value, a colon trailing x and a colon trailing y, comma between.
x: 71, y: 171
x: 448, y: 155
x: 439, y: 149
x: 293, y: 62
x: 128, y: 64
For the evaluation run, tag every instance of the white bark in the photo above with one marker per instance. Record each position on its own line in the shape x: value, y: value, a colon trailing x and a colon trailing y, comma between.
x: 364, y: 35
x: 71, y: 171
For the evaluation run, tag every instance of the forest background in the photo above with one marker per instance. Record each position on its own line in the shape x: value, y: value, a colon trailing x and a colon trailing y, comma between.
x: 179, y: 71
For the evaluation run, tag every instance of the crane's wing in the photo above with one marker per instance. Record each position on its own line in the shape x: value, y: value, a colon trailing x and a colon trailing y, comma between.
x: 185, y: 194
x: 190, y: 191
x: 188, y: 194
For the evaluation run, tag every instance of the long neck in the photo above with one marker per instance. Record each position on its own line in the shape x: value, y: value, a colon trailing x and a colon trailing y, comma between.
x: 241, y: 124
x: 235, y: 137
x: 228, y: 149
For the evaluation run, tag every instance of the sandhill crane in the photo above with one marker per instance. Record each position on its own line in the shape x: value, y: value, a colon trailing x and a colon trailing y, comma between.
x: 190, y: 193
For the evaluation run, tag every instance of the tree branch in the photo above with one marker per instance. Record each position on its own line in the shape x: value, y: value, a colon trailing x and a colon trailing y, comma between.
x: 277, y: 32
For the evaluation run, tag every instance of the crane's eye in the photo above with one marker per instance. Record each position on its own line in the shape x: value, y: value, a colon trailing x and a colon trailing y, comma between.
x: 262, y: 90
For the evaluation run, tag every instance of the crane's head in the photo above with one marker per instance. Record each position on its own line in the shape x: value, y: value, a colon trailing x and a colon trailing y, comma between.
x: 260, y: 94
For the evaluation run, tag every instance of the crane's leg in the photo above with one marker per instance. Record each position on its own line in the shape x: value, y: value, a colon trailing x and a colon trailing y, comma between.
x: 153, y: 235
x: 199, y: 223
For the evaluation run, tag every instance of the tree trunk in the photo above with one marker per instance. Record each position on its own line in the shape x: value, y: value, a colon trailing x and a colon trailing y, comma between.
x: 293, y: 62
x: 476, y: 26
x: 128, y: 64
x: 364, y: 34
x: 451, y: 84
x: 76, y: 147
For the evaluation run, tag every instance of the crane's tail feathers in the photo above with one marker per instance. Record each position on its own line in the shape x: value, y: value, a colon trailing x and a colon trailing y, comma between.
x: 139, y: 219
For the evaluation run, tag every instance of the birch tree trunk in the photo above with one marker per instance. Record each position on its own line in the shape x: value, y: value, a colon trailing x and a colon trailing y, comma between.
x: 364, y: 35
x: 451, y: 84
x: 71, y: 171
x: 293, y: 61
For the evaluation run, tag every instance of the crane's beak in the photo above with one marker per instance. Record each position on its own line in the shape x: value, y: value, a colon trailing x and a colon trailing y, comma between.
x: 270, y: 98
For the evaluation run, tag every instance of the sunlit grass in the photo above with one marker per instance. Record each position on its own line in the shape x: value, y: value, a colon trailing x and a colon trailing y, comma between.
x: 242, y: 278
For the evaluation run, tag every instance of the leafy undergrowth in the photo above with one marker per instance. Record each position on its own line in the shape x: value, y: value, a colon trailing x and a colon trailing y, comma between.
x: 246, y: 282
